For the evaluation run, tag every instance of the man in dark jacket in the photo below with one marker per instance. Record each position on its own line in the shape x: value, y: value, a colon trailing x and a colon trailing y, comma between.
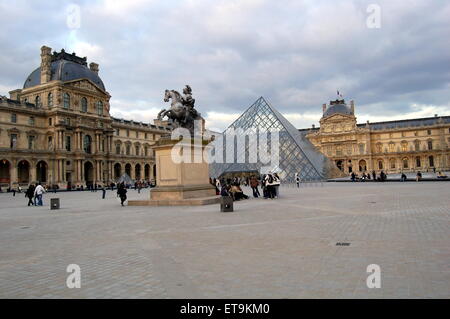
x: 122, y: 192
x: 30, y: 194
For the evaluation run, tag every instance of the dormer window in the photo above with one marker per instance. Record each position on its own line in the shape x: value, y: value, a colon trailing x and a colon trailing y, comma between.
x: 99, y: 108
x: 66, y: 100
x: 38, y: 102
x: 84, y: 105
x: 50, y: 100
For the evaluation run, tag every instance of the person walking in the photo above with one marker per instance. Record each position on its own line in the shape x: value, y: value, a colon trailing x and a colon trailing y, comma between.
x: 254, y: 185
x: 269, y: 181
x: 374, y: 175
x: 297, y: 179
x: 122, y: 192
x: 353, y: 177
x: 103, y: 191
x: 276, y: 184
x: 30, y: 194
x: 38, y: 193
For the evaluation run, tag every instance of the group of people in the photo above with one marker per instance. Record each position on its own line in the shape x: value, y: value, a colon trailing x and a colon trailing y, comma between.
x: 270, y: 184
x: 35, y: 195
x: 364, y: 177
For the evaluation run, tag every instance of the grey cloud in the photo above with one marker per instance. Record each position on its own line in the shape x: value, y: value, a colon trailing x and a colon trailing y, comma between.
x: 295, y: 53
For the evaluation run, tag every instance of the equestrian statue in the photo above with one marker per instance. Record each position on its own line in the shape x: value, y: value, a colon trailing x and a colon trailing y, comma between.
x: 182, y: 112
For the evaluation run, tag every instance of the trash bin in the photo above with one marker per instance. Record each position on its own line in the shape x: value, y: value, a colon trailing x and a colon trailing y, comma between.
x: 226, y: 204
x: 54, y: 203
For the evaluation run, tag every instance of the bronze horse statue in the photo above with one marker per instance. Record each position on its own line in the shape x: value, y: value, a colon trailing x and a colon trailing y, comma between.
x: 181, y: 113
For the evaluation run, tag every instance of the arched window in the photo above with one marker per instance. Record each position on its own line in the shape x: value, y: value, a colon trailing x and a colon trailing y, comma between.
x: 137, y: 150
x: 99, y: 108
x: 418, y: 162
x: 404, y: 146
x: 392, y: 162
x: 38, y: 102
x: 379, y: 147
x: 66, y: 100
x: 118, y: 149
x: 417, y: 145
x: 362, y: 166
x: 128, y: 150
x: 380, y: 164
x: 430, y: 144
x: 50, y: 100
x: 431, y: 161
x: 87, y: 144
x: 405, y: 163
x: 84, y: 104
x: 392, y: 147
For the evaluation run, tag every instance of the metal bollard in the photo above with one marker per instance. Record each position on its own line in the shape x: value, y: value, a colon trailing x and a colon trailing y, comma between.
x: 226, y: 204
x: 54, y: 203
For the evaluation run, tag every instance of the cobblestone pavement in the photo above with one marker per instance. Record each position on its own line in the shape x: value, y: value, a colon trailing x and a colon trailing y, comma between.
x: 284, y: 248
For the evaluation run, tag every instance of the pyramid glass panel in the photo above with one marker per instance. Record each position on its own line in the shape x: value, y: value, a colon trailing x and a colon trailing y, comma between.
x: 296, y: 153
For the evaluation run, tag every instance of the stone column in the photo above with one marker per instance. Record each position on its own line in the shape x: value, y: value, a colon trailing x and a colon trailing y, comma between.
x: 133, y: 175
x: 82, y: 171
x: 13, y: 172
x: 63, y: 166
x: 33, y: 176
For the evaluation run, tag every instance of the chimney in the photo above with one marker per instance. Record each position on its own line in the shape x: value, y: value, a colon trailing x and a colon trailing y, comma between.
x: 313, y: 126
x: 46, y: 60
x: 352, y: 106
x: 94, y: 67
x: 324, y: 108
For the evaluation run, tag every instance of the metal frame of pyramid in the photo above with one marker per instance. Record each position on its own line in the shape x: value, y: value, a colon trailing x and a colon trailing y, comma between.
x: 296, y: 153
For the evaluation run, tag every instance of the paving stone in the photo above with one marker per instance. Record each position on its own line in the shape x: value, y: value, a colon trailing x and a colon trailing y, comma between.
x: 284, y: 248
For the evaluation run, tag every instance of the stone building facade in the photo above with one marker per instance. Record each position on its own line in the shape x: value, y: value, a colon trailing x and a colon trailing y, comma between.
x: 393, y: 147
x: 58, y: 129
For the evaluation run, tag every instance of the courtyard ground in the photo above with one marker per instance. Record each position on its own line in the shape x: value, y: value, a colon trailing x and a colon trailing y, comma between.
x: 284, y: 248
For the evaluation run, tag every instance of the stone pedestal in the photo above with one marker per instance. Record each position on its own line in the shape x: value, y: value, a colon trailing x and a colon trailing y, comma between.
x: 180, y: 184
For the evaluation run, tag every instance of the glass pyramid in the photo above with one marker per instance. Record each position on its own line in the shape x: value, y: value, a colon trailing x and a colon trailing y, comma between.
x: 296, y: 153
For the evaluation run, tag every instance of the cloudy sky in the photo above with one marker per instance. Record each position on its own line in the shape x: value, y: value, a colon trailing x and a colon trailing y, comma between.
x: 295, y: 53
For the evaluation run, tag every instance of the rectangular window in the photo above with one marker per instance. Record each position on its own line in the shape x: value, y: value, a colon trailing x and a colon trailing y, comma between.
x: 13, y: 118
x: 118, y: 149
x: 146, y: 135
x: 128, y: 133
x: 361, y: 149
x: 137, y: 134
x: 31, y: 120
x: 50, y: 121
x: 391, y: 147
x: 429, y: 132
x: 13, y: 141
x: 30, y: 142
x: 117, y: 132
x: 68, y: 143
